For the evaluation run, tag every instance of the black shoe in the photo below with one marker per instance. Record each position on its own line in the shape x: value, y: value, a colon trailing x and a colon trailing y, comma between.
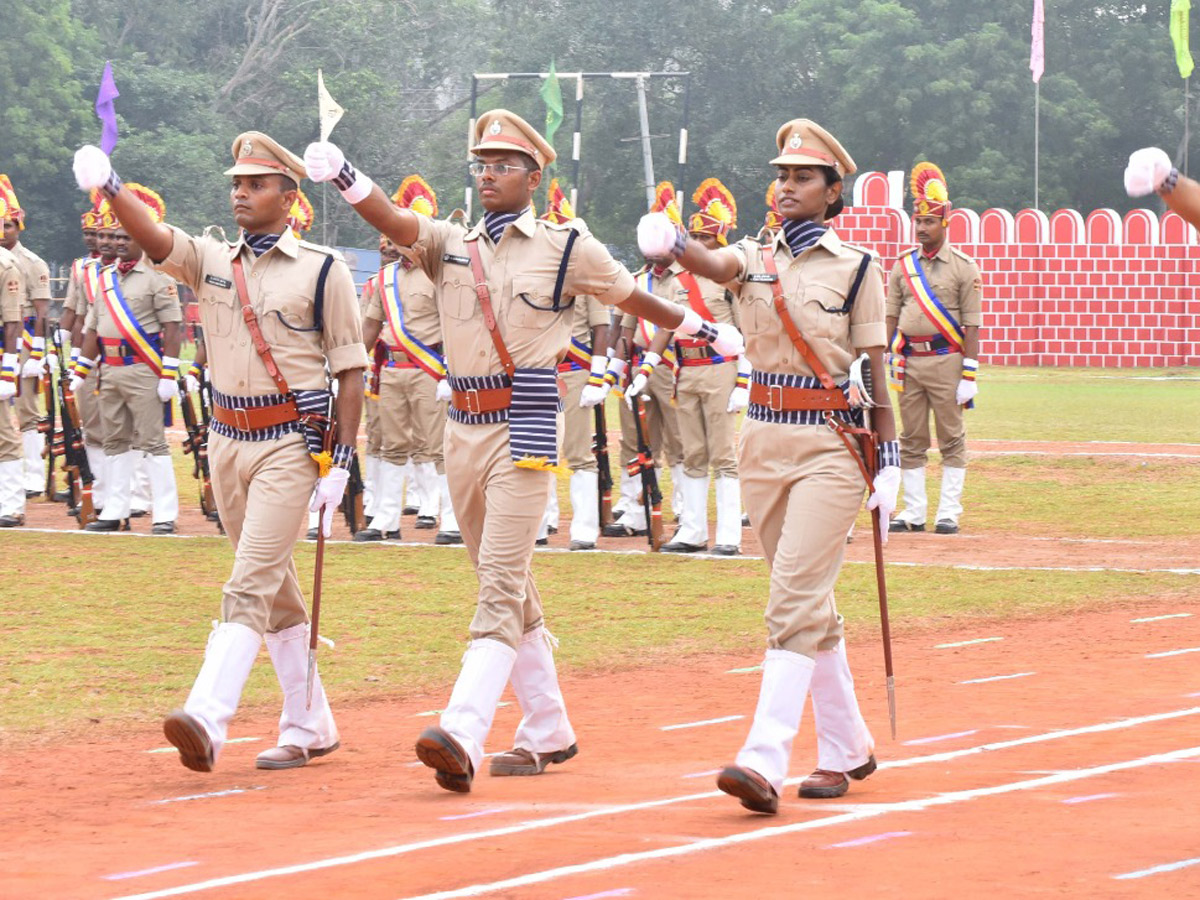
x: 74, y: 511
x: 448, y: 537
x: 745, y: 520
x: 583, y: 545
x: 945, y: 526
x: 213, y: 516
x: 392, y: 535
x: 411, y: 510
x: 32, y: 495
x: 440, y: 751
x: 12, y: 521
x: 311, y: 534
x: 902, y: 525
x: 367, y: 534
x: 62, y: 496
x: 137, y: 513
x: 681, y: 547
x: 551, y: 529
x: 105, y: 525
x: 618, y: 529
x: 542, y: 542
x: 725, y: 550
x: 163, y: 528
x: 426, y: 522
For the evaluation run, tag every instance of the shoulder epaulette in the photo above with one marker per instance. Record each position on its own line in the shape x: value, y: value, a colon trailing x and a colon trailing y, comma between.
x: 958, y: 252
x: 865, y: 251
x: 321, y: 248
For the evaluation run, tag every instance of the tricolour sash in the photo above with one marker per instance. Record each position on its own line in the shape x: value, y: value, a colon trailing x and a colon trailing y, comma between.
x: 647, y: 329
x: 580, y: 353
x: 927, y: 300
x: 131, y: 330
x: 426, y: 358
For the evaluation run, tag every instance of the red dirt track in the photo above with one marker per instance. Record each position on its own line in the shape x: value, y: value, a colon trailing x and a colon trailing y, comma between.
x: 77, y: 814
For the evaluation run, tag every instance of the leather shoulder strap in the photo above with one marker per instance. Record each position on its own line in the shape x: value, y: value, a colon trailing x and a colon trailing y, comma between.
x: 260, y: 343
x: 768, y: 259
x: 485, y: 303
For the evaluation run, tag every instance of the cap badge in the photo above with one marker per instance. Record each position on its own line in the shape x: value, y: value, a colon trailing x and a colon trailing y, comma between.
x: 247, y: 147
x: 796, y: 141
x: 495, y: 127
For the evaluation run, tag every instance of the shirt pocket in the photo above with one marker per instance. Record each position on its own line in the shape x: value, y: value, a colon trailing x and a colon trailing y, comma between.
x: 287, y: 320
x: 531, y: 303
x: 219, y: 310
x: 756, y: 312
x: 822, y: 312
x: 457, y: 298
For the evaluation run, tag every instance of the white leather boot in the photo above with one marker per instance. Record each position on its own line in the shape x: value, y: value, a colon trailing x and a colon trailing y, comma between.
x: 98, y: 463
x: 950, y: 501
x: 425, y: 475
x: 545, y: 734
x: 305, y: 732
x: 164, y: 491
x: 786, y: 677
x: 729, y: 516
x: 370, y: 469
x: 843, y: 740
x: 912, y: 517
x: 448, y: 532
x: 693, y: 525
x: 121, y: 470
x: 35, y: 466
x: 585, y: 509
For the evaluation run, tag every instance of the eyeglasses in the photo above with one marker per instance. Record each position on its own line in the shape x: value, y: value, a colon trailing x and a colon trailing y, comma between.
x: 478, y: 169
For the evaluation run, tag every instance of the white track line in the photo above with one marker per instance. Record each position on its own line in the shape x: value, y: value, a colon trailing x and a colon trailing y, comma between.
x: 966, y: 643
x: 1172, y: 653
x: 121, y: 876
x: 915, y: 742
x: 882, y: 809
x: 996, y: 678
x: 1160, y: 618
x: 1154, y: 870
x: 869, y: 839
x: 558, y: 821
x: 1088, y: 798
x: 227, y: 793
x: 700, y: 723
x: 241, y: 740
x: 1133, y: 454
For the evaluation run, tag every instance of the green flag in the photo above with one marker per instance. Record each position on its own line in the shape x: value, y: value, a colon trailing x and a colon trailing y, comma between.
x: 1179, y: 36
x: 552, y: 96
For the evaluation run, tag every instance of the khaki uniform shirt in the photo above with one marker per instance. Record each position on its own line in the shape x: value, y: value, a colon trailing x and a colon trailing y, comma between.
x: 663, y: 286
x: 282, y: 284
x: 77, y: 294
x: 815, y: 286
x: 12, y: 289
x: 37, y: 277
x: 152, y: 297
x: 418, y: 305
x: 589, y: 313
x: 956, y: 282
x: 521, y: 274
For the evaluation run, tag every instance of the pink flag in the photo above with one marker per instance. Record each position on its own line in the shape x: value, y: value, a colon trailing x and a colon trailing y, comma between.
x: 1037, y: 50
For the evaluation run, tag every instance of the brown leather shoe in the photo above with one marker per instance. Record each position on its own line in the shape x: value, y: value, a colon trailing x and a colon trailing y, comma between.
x: 520, y: 761
x: 188, y: 736
x: 748, y: 786
x: 437, y: 749
x: 290, y: 756
x: 825, y: 785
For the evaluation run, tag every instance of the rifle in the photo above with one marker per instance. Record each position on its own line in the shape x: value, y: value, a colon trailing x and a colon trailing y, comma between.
x: 197, y: 445
x: 48, y: 426
x: 79, y: 473
x: 600, y: 449
x: 643, y: 465
x: 352, y: 500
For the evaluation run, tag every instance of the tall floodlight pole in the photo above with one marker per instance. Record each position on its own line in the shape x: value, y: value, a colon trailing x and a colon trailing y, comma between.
x: 683, y: 132
x: 647, y: 156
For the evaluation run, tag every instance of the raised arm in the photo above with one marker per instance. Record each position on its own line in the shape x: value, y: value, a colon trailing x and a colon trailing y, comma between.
x: 93, y: 170
x: 326, y: 162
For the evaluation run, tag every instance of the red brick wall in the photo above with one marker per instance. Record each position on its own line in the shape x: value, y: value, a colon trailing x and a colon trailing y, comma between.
x: 1103, y: 292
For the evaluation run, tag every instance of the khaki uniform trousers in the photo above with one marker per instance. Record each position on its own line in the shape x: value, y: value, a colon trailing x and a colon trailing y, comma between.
x: 262, y: 489
x: 88, y: 405
x: 374, y: 435
x: 27, y: 405
x: 930, y: 383
x: 131, y: 410
x: 662, y: 422
x: 706, y: 429
x: 11, y: 447
x: 579, y: 425
x: 412, y: 421
x: 802, y: 490
x: 499, y: 508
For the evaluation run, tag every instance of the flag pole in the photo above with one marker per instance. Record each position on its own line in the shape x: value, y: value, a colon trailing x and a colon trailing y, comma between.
x: 1187, y: 111
x: 1037, y: 143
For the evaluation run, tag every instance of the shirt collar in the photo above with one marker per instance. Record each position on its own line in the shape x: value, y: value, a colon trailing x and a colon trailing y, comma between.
x: 829, y: 240
x: 525, y: 223
x: 288, y: 243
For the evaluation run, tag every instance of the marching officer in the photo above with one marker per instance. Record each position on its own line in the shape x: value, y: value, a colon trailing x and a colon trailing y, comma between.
x: 36, y: 275
x: 277, y: 312
x: 934, y: 311
x: 388, y: 254
x: 402, y: 312
x: 504, y: 298
x: 133, y: 330
x: 809, y: 305
x: 583, y: 366
x: 12, y: 459
x: 710, y: 390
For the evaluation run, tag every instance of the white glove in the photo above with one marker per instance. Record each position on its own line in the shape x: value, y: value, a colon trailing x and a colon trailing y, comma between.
x: 73, y: 385
x: 323, y: 161
x: 7, y: 389
x: 52, y: 361
x: 883, y: 496
x: 1147, y: 170
x: 328, y: 494
x: 92, y: 167
x: 191, y: 383
x: 636, y: 386
x: 729, y: 341
x: 965, y: 392
x: 739, y: 399
x: 32, y: 368
x: 594, y: 394
x: 168, y: 389
x: 62, y: 337
x: 443, y: 391
x: 656, y: 235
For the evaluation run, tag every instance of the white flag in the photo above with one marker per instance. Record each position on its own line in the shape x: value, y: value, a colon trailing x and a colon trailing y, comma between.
x: 329, y: 110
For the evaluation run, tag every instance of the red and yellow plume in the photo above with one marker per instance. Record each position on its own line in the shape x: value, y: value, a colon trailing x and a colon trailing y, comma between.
x: 91, y: 219
x: 300, y: 216
x: 153, y: 202
x: 665, y: 201
x: 560, y: 210
x: 930, y: 195
x: 774, y: 219
x: 415, y: 194
x: 12, y: 206
x: 718, y: 210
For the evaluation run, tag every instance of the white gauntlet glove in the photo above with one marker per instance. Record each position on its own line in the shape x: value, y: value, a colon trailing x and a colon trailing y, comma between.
x: 883, y: 496
x: 597, y: 388
x: 739, y: 397
x: 92, y: 168
x: 638, y: 383
x: 657, y: 236
x: 443, y: 391
x: 725, y: 339
x: 326, y: 162
x: 168, y: 389
x: 327, y: 496
x: 1147, y: 170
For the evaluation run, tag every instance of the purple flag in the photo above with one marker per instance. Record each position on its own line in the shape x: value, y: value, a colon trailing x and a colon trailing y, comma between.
x: 106, y: 110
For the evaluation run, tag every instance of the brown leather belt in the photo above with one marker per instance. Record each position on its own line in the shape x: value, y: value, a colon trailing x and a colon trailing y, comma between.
x: 483, y: 400
x: 256, y: 418
x: 779, y: 398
